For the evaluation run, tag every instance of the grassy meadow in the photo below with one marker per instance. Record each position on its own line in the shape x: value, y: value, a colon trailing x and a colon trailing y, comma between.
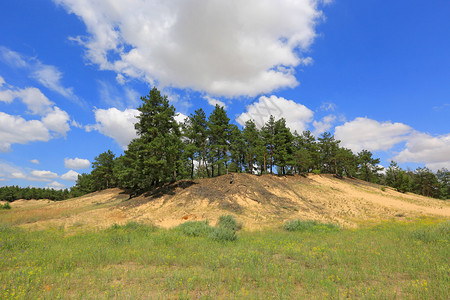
x: 312, y: 261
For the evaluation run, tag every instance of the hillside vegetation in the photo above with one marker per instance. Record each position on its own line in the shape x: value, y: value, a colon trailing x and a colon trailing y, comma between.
x: 207, y: 211
x: 134, y: 261
x: 166, y: 151
x: 258, y: 202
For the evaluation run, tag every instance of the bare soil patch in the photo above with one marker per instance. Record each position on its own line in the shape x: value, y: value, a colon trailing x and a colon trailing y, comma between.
x: 257, y: 201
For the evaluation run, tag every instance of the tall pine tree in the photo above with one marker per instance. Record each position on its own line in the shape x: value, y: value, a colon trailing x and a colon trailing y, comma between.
x: 219, y: 127
x: 283, y: 151
x: 155, y: 156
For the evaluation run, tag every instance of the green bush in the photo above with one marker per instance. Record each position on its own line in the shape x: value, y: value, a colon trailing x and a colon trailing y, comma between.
x: 195, y: 228
x: 299, y: 225
x: 225, y: 230
x: 439, y: 232
x: 317, y: 172
x: 5, y: 206
x: 134, y: 227
x: 229, y: 222
x: 222, y: 234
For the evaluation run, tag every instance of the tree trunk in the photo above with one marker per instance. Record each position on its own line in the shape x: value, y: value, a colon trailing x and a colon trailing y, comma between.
x: 271, y: 158
x: 265, y: 167
x: 251, y: 163
x: 335, y: 166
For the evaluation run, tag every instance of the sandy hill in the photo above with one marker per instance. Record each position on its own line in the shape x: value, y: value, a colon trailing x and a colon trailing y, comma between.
x: 257, y: 201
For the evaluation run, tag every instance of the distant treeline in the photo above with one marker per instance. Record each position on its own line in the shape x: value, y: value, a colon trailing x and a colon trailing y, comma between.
x: 206, y: 147
x: 12, y: 193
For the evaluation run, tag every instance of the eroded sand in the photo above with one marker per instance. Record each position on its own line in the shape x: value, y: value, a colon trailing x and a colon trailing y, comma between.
x: 256, y: 201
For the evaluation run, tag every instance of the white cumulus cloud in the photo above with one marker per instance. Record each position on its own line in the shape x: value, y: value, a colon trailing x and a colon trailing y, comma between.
x: 365, y: 133
x: 297, y: 116
x: 15, y: 129
x: 76, y: 163
x: 116, y: 124
x: 54, y: 122
x: 433, y: 151
x: 7, y: 170
x: 214, y: 102
x: 35, y: 161
x: 225, y: 48
x: 56, y: 185
x: 10, y: 171
x: 57, y: 120
x: 36, y: 102
x: 179, y: 117
x: 71, y: 175
x: 323, y: 125
x: 43, y: 174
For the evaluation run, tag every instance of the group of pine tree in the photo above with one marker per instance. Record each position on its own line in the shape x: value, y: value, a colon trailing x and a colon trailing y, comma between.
x: 165, y: 151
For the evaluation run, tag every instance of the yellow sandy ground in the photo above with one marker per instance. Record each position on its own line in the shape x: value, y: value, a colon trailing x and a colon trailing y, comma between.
x: 256, y: 201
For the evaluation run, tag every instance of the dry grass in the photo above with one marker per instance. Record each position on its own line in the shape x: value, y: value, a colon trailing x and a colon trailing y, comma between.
x: 258, y: 201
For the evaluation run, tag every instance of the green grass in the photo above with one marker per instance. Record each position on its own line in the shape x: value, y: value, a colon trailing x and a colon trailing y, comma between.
x: 225, y: 231
x: 135, y: 261
x: 229, y: 222
x: 195, y: 228
x: 312, y: 226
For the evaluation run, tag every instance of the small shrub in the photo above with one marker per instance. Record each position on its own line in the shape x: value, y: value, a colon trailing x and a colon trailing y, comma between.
x: 225, y: 230
x: 439, y: 232
x: 317, y: 172
x: 5, y: 206
x: 299, y: 225
x: 229, y: 222
x: 195, y: 228
x: 134, y: 227
x: 115, y: 226
x: 222, y: 234
x: 383, y: 188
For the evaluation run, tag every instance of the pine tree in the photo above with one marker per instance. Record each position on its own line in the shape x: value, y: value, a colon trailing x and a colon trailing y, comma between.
x: 83, y: 185
x: 346, y: 163
x: 308, y: 141
x: 368, y: 166
x: 443, y: 177
x: 196, y: 131
x: 129, y: 169
x: 283, y: 152
x: 156, y: 155
x: 102, y: 171
x: 328, y: 148
x: 425, y: 183
x: 237, y: 149
x: 268, y: 135
x: 219, y: 127
x: 253, y: 142
x: 391, y: 174
x: 302, y: 160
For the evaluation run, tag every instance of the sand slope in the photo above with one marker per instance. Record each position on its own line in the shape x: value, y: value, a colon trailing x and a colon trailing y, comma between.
x: 257, y: 201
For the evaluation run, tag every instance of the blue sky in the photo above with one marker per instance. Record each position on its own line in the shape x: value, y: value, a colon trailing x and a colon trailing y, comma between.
x: 374, y: 73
